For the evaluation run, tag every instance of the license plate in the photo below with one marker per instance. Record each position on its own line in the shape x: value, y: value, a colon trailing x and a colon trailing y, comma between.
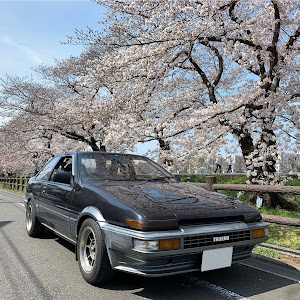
x: 216, y: 259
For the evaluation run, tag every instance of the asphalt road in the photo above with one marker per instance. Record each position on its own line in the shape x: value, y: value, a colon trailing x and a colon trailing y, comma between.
x: 46, y: 269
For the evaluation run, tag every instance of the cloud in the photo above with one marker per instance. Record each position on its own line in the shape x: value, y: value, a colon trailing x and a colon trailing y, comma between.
x: 30, y: 53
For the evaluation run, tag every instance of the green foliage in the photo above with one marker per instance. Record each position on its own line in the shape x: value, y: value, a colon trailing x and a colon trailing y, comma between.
x: 231, y: 179
x: 285, y: 236
x: 194, y: 178
x: 267, y: 252
x: 295, y: 181
x: 234, y: 194
x: 280, y: 212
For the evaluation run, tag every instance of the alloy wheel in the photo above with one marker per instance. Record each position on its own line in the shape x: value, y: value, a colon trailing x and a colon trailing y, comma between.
x: 29, y: 216
x: 88, y: 249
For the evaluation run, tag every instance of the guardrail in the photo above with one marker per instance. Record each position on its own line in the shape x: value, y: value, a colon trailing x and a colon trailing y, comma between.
x: 17, y: 183
x: 212, y: 185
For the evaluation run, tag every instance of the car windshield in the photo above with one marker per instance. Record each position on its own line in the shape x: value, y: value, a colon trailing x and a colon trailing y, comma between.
x: 95, y: 166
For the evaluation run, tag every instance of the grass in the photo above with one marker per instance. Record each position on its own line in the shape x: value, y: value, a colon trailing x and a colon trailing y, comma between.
x: 268, y: 211
x: 267, y: 252
x: 285, y: 236
x: 295, y: 181
x: 280, y: 212
x: 228, y: 179
x: 234, y: 179
x: 6, y: 187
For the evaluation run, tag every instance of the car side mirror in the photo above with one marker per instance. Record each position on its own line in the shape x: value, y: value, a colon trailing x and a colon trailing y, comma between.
x: 63, y: 177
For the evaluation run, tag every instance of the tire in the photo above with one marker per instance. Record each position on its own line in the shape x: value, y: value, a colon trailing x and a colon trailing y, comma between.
x: 33, y: 226
x: 93, y: 259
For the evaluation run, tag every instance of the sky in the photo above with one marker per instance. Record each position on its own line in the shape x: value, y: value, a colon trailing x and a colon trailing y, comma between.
x: 31, y: 33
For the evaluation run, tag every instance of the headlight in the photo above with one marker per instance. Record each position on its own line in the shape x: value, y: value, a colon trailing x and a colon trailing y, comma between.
x: 145, y: 245
x: 266, y: 232
x: 159, y: 245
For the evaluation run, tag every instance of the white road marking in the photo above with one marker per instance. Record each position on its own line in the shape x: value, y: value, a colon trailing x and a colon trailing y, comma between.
x: 272, y: 273
x: 22, y: 204
x: 218, y: 289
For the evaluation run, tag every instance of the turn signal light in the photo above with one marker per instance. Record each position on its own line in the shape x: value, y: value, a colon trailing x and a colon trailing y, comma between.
x: 170, y: 244
x: 135, y: 224
x: 258, y: 233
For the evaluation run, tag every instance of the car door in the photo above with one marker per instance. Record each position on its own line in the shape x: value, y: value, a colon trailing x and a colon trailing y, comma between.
x: 55, y: 196
x: 37, y: 184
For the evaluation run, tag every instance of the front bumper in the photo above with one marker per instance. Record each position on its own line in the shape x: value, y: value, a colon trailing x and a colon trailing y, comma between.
x: 123, y: 257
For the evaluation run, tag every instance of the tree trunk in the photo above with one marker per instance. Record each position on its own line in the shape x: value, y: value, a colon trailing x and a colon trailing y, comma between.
x: 261, y: 164
x: 102, y: 148
x: 95, y: 147
x: 165, y: 146
x: 273, y: 200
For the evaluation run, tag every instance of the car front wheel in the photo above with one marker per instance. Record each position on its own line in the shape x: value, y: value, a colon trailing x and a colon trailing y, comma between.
x: 92, y: 255
x: 33, y: 226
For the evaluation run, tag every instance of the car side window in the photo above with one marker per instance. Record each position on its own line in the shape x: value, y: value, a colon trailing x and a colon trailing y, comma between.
x: 45, y: 173
x: 63, y: 170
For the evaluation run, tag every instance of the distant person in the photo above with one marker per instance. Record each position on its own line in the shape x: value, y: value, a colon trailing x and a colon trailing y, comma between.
x: 229, y: 160
x: 218, y: 163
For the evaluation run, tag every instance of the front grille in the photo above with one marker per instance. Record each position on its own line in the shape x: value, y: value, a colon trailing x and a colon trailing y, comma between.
x: 208, y: 239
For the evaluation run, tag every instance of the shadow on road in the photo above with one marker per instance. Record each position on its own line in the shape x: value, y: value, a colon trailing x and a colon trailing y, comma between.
x: 238, y: 281
x: 3, y: 223
x: 50, y: 235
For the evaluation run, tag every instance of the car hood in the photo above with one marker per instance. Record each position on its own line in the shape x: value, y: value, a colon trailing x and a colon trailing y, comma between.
x: 157, y: 200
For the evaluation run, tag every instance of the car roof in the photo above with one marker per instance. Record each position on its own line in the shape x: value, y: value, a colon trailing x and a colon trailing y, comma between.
x: 98, y: 152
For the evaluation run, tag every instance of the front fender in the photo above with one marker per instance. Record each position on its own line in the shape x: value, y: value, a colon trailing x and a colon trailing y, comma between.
x: 31, y: 198
x: 88, y: 212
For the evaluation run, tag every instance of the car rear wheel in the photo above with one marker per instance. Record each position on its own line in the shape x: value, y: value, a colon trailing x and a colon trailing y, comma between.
x: 33, y: 226
x: 93, y: 259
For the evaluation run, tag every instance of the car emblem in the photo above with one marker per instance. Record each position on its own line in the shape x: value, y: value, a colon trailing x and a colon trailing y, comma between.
x: 220, y: 238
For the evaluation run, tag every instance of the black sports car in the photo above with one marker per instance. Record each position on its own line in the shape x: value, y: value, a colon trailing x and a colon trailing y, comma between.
x: 125, y: 212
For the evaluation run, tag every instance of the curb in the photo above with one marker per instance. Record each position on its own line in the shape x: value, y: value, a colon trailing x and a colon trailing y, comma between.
x: 287, y: 251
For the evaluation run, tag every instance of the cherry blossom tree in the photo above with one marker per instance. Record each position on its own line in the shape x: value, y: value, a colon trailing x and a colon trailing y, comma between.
x: 75, y: 109
x: 25, y: 146
x: 237, y: 60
